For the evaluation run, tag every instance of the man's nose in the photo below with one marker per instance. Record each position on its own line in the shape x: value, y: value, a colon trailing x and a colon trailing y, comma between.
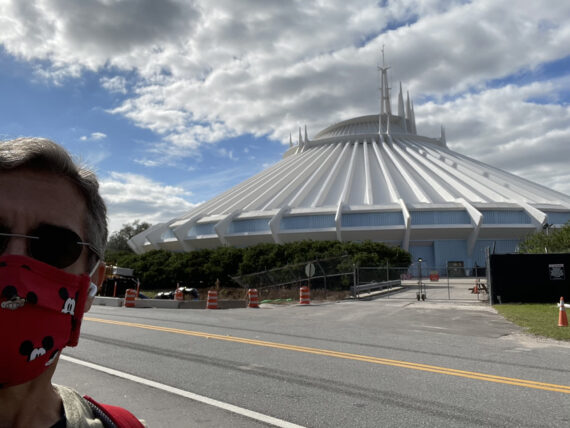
x: 16, y: 246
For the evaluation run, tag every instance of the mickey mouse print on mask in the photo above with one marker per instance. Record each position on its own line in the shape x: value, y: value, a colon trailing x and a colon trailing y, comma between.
x: 44, y: 307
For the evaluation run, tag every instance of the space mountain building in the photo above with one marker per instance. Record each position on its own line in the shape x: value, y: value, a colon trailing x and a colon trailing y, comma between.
x: 372, y: 178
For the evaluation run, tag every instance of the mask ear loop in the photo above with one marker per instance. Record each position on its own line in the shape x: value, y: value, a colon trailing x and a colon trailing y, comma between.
x: 92, y: 286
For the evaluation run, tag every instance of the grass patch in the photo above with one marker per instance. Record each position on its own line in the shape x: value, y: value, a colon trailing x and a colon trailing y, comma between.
x: 540, y: 319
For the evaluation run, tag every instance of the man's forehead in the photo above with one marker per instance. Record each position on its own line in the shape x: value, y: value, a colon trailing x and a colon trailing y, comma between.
x: 43, y: 197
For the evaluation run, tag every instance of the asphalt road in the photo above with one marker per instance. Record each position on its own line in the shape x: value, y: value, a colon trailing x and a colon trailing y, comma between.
x: 386, y: 362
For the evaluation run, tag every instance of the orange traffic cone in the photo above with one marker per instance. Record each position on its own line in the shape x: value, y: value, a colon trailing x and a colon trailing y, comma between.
x: 562, y: 318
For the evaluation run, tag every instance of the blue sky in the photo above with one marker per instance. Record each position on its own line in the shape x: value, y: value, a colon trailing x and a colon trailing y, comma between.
x: 173, y: 102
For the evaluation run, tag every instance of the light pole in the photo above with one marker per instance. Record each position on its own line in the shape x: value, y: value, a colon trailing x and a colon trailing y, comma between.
x: 420, y: 294
x: 546, y: 227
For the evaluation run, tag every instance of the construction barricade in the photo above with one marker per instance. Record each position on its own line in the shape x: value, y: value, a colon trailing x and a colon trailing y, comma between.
x: 304, y: 295
x: 179, y: 294
x: 212, y: 302
x: 130, y: 296
x: 253, y: 298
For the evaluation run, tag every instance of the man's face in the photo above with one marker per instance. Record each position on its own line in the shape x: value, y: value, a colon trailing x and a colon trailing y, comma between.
x: 29, y: 198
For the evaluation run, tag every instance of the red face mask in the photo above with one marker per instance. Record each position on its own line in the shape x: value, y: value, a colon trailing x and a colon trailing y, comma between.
x: 41, y: 308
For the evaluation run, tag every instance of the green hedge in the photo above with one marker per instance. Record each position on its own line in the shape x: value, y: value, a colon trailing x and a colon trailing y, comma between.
x: 159, y: 269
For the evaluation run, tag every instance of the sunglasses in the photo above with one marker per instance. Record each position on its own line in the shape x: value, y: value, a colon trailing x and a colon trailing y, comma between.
x: 56, y: 246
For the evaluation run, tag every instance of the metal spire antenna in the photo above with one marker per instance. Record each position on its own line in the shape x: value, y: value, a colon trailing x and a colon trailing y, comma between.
x: 384, y: 96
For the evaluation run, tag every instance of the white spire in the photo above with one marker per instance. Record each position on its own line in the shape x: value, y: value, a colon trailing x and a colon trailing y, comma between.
x: 306, y: 136
x: 401, y: 111
x: 290, y: 140
x: 300, y: 137
x: 413, y: 124
x: 442, y: 138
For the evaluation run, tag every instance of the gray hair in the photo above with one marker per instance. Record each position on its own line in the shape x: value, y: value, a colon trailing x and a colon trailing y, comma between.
x: 41, y: 154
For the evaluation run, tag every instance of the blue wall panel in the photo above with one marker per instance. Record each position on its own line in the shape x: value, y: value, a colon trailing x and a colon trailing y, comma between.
x: 505, y: 217
x: 307, y: 222
x: 557, y: 217
x: 202, y: 229
x: 500, y: 246
x: 427, y: 255
x: 450, y: 250
x: 440, y: 217
x: 249, y: 225
x: 372, y: 219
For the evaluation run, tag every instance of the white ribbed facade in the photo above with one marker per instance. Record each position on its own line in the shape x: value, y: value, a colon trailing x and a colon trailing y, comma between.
x: 362, y: 179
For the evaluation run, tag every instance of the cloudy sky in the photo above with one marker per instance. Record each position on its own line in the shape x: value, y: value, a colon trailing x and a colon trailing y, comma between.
x: 175, y: 101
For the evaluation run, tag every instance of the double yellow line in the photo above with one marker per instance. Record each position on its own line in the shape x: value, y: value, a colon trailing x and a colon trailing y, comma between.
x: 348, y: 356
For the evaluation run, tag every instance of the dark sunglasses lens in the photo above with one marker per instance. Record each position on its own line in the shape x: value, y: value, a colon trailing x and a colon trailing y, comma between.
x: 57, y: 246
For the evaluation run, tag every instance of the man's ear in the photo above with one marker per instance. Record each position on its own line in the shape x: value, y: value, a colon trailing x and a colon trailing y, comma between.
x: 97, y: 278
x: 99, y: 275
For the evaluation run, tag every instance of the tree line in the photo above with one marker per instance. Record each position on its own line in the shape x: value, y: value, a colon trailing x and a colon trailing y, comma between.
x: 160, y: 269
x: 549, y: 240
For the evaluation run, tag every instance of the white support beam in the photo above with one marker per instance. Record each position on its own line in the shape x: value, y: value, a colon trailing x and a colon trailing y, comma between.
x: 247, y: 191
x: 416, y: 188
x: 138, y: 242
x: 394, y: 194
x: 266, y: 191
x: 304, y: 177
x: 181, y: 231
x: 415, y: 150
x: 420, y: 170
x: 338, y: 221
x: 330, y: 178
x: 368, y: 198
x: 407, y: 224
x: 349, y: 176
x: 477, y: 220
x: 155, y: 236
x: 275, y: 224
x: 319, y: 172
x: 221, y: 227
x: 538, y: 217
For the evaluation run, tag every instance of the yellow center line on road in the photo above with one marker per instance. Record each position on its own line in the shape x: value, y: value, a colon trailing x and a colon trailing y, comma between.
x: 348, y: 356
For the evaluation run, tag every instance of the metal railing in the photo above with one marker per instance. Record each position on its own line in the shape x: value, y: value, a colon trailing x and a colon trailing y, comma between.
x: 375, y: 286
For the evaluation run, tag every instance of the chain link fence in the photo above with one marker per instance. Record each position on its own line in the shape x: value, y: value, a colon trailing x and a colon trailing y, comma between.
x: 337, y: 277
x: 332, y: 277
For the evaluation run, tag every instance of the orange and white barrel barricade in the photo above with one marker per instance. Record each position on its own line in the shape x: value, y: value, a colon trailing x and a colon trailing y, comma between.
x: 178, y: 294
x: 304, y: 295
x: 212, y: 302
x: 253, y: 298
x: 130, y: 296
x: 562, y: 318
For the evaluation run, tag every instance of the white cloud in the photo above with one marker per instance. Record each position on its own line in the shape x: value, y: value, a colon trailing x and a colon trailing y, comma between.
x: 117, y: 84
x: 94, y: 136
x: 208, y: 71
x: 227, y: 154
x: 130, y: 197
